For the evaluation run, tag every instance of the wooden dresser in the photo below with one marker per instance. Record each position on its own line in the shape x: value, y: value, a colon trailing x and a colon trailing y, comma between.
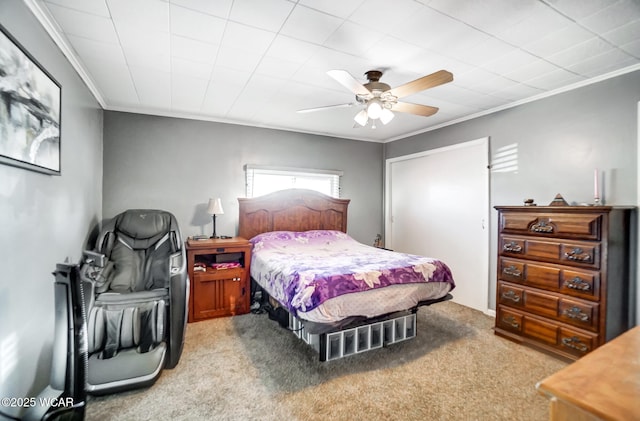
x: 563, y: 276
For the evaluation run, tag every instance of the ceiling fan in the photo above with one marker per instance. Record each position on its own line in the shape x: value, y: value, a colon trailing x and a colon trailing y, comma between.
x: 379, y: 100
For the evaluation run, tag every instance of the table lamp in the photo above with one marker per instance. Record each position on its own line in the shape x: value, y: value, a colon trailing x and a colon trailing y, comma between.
x: 215, y: 208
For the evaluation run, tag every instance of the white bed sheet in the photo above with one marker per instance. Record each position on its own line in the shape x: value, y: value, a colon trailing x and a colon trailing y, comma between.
x: 375, y: 302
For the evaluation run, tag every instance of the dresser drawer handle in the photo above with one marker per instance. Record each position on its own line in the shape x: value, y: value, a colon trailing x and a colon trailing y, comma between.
x: 512, y: 271
x: 542, y: 226
x: 512, y: 247
x: 576, y: 313
x: 578, y: 283
x: 578, y: 255
x: 511, y: 321
x: 575, y: 343
x: 510, y: 295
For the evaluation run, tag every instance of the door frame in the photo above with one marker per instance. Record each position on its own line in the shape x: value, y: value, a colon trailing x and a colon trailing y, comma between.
x: 636, y: 276
x: 485, y: 214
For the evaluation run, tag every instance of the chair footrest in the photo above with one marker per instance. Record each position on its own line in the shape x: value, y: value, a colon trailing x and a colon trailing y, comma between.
x: 128, y: 368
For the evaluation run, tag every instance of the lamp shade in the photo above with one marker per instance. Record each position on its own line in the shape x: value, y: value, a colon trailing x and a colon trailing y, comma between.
x: 361, y: 118
x: 374, y: 109
x: 386, y: 116
x: 215, y: 207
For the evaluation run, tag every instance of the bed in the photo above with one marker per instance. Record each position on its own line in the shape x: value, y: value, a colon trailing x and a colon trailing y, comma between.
x: 340, y: 296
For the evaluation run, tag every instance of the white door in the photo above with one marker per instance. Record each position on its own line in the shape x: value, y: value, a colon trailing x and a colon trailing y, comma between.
x: 438, y: 206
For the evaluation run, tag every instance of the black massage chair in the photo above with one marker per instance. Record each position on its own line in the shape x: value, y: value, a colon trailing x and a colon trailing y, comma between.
x: 136, y: 299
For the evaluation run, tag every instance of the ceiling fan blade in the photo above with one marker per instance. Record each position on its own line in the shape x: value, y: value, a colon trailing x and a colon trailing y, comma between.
x: 417, y: 109
x: 438, y: 78
x: 345, y: 79
x: 326, y: 107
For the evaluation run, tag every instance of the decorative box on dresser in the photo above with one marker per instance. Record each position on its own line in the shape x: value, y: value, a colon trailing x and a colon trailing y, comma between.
x: 563, y: 276
x: 218, y: 290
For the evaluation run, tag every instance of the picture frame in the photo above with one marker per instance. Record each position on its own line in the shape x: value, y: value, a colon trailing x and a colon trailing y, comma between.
x: 30, y: 106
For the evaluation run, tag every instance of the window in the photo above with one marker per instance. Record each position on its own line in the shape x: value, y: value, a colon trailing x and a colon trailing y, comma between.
x: 262, y: 180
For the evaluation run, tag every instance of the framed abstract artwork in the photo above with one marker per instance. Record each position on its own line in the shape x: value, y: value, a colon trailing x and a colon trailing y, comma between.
x: 30, y: 102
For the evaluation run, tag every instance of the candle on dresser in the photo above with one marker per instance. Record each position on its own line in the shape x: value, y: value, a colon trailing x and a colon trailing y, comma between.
x: 596, y: 190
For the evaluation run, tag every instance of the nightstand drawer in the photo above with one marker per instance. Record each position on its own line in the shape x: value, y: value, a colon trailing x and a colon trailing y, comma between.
x: 214, y: 275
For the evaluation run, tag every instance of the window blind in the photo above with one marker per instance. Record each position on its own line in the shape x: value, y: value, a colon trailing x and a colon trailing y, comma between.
x: 261, y: 180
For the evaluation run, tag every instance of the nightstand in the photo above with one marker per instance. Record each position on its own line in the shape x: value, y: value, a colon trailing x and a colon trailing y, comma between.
x: 219, y: 273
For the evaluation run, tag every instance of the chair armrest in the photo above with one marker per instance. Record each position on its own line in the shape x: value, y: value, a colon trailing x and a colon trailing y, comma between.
x: 178, y: 308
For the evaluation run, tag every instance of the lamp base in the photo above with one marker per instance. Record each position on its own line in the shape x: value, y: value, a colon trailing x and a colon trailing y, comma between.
x: 214, y: 236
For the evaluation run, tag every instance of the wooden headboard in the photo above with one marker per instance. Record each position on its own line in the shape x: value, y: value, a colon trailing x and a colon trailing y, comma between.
x: 291, y: 210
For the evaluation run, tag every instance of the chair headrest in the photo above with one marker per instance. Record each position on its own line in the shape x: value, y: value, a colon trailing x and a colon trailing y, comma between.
x: 142, y: 224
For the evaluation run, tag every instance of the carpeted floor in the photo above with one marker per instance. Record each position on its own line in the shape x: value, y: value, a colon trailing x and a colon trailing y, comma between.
x: 248, y: 368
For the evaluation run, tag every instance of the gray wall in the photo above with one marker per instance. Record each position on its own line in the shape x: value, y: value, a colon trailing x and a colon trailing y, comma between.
x: 177, y: 165
x: 45, y: 219
x: 561, y: 140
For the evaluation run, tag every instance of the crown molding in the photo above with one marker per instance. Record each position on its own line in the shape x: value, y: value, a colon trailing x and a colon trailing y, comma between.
x: 567, y: 88
x: 55, y: 32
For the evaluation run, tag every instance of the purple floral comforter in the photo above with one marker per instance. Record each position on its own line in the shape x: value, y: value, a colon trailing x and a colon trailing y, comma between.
x: 304, y: 269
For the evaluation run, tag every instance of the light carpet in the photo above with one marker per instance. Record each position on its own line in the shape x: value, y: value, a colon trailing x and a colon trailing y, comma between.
x: 249, y: 368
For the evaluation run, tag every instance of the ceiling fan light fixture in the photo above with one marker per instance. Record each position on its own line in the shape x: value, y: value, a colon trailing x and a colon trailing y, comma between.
x: 386, y: 115
x: 361, y: 118
x: 374, y: 109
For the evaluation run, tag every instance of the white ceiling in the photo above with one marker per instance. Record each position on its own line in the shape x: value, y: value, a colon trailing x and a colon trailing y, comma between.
x: 256, y: 62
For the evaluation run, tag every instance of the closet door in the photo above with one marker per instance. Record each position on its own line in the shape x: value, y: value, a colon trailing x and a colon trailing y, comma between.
x: 438, y: 206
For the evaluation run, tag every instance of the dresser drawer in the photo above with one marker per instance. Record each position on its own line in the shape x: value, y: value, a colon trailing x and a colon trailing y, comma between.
x: 572, y: 341
x: 510, y: 295
x: 544, y: 331
x: 549, y: 333
x: 583, y: 284
x: 574, y: 253
x: 530, y: 273
x: 509, y: 320
x: 585, y: 226
x: 583, y: 314
x: 551, y: 277
x: 576, y: 342
x: 578, y: 313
